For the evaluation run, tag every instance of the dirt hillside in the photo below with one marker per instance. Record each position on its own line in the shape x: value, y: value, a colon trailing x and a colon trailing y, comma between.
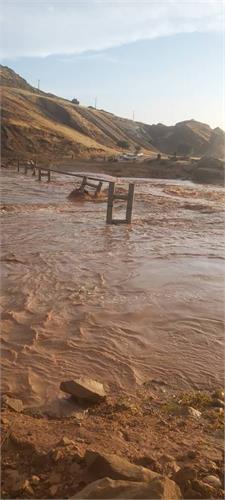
x: 39, y: 123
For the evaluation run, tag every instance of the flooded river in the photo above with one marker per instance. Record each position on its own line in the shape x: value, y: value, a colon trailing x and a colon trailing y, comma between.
x: 121, y: 304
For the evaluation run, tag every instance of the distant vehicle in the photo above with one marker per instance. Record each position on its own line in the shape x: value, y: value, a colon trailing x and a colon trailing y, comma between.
x: 130, y: 156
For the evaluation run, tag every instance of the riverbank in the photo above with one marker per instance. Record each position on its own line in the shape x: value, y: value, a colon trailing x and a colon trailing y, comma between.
x: 204, y: 170
x: 177, y: 436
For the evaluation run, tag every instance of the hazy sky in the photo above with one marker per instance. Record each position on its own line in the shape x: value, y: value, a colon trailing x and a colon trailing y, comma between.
x: 162, y: 59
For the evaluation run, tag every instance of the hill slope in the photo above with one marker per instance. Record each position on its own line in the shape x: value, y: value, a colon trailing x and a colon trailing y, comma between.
x: 35, y: 122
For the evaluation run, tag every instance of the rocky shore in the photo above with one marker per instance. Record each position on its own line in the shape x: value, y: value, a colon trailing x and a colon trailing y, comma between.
x: 153, y: 444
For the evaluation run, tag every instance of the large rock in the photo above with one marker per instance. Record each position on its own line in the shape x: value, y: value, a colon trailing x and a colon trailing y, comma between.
x: 84, y: 388
x: 110, y: 465
x: 160, y: 487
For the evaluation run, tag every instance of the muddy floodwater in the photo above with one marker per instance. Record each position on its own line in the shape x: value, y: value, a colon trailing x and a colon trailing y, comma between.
x: 121, y: 304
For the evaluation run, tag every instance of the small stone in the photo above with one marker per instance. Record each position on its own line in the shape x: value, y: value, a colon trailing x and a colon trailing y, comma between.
x: 217, y: 403
x: 218, y: 394
x: 4, y: 420
x: 184, y: 474
x: 65, y: 441
x: 53, y: 490
x: 80, y: 440
x: 213, y: 481
x: 219, y: 411
x: 56, y: 455
x: 169, y: 464
x: 27, y: 488
x: 35, y: 480
x: 188, y: 411
x: 16, y: 483
x: 14, y: 404
x: 84, y: 388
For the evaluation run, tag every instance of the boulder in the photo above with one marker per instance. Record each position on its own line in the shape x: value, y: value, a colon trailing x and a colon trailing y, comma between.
x: 84, y: 388
x: 160, y: 487
x: 110, y: 465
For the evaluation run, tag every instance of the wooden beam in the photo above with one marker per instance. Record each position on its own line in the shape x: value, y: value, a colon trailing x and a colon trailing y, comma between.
x: 120, y: 197
x: 99, y: 187
x: 83, y: 184
x: 130, y: 200
x: 110, y: 203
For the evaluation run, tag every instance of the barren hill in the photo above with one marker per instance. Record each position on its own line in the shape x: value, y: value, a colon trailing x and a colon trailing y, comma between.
x: 35, y: 122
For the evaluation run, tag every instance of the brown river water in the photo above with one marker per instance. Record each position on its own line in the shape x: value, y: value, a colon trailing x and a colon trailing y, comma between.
x: 121, y: 304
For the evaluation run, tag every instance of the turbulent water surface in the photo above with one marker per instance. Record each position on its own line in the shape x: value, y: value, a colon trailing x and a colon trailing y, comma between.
x: 122, y: 304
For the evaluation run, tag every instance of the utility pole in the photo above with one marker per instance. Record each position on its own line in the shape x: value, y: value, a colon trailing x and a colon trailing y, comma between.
x: 38, y: 85
x: 95, y: 102
x: 133, y: 116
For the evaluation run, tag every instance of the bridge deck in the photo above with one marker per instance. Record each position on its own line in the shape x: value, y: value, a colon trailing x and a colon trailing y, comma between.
x: 103, y: 177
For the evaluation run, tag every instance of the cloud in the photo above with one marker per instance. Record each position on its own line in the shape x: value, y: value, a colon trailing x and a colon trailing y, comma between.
x: 40, y: 28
